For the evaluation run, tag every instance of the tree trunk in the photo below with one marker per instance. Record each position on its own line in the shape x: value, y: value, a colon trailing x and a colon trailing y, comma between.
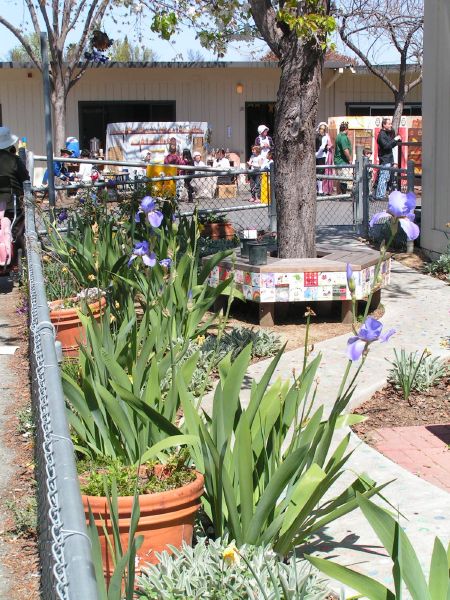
x: 295, y: 162
x: 398, y: 111
x: 59, y: 114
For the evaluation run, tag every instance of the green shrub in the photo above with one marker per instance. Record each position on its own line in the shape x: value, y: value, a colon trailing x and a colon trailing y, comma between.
x: 441, y: 266
x: 24, y: 514
x: 215, y: 570
x: 413, y: 372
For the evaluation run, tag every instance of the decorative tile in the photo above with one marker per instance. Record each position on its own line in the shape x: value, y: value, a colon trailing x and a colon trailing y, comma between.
x: 247, y: 278
x: 282, y: 294
x: 267, y: 280
x: 247, y: 291
x: 311, y: 279
x: 339, y: 292
x: 267, y: 294
x: 256, y: 279
x: 311, y: 293
x: 325, y: 292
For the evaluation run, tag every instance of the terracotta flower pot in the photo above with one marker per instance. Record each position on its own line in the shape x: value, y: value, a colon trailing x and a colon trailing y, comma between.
x: 166, y: 518
x: 217, y: 231
x: 69, y: 330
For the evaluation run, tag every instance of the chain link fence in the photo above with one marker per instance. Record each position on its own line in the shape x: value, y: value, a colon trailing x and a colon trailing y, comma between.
x: 67, y: 571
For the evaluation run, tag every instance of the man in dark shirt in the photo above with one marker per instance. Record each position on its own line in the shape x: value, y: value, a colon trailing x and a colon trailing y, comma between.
x: 12, y: 175
x: 386, y: 142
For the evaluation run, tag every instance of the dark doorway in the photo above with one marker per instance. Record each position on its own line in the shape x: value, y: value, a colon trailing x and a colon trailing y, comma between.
x: 257, y: 113
x: 93, y: 117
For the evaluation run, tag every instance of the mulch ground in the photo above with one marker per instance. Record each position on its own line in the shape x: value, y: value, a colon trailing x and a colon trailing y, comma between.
x: 414, y: 433
x: 388, y: 408
x: 21, y: 559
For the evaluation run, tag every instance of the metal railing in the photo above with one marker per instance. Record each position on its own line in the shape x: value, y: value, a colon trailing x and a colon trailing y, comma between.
x: 67, y: 571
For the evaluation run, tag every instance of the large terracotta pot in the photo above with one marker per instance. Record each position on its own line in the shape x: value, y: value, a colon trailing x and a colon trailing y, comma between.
x: 166, y: 518
x: 69, y: 330
x: 217, y: 231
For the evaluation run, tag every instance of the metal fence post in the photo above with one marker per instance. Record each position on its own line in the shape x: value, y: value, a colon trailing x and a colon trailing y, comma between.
x: 410, y: 176
x: 65, y: 549
x: 48, y: 122
x: 272, y: 200
x: 361, y: 200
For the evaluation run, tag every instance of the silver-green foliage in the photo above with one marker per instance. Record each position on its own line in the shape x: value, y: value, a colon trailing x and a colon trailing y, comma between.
x: 264, y: 343
x: 214, y: 349
x: 202, y: 572
x: 413, y: 372
x: 406, y: 568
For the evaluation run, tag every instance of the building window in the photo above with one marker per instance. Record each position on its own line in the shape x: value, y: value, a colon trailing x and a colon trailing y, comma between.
x: 381, y: 109
x: 93, y: 117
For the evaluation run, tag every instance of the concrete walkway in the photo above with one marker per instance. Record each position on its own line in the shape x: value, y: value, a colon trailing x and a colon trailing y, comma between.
x: 417, y: 306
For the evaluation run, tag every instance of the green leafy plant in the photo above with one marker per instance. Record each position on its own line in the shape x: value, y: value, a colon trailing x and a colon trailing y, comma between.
x: 413, y: 372
x: 440, y: 266
x: 24, y: 515
x: 122, y: 583
x: 217, y: 570
x: 268, y: 466
x: 212, y: 217
x: 406, y: 569
x: 148, y: 478
x: 59, y: 281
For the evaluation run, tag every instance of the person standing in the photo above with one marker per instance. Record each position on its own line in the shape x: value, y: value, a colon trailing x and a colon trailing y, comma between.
x: 173, y: 158
x: 343, y: 156
x: 188, y: 160
x: 321, y: 153
x: 222, y: 161
x: 198, y: 160
x: 255, y: 163
x: 386, y: 142
x: 263, y: 140
x: 12, y: 175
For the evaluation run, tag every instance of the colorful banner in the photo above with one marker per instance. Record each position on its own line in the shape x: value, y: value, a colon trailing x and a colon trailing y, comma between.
x: 363, y: 131
x: 150, y: 141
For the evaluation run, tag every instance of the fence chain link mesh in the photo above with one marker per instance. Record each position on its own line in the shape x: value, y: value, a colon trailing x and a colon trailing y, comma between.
x: 51, y: 540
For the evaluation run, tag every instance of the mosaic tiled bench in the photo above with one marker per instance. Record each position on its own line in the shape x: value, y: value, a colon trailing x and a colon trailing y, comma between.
x: 305, y: 279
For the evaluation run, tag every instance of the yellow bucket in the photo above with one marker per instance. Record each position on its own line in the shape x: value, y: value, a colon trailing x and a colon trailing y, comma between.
x: 162, y: 188
x: 265, y: 188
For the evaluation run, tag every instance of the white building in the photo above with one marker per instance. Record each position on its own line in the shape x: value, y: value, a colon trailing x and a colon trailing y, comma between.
x: 234, y: 98
x: 436, y: 131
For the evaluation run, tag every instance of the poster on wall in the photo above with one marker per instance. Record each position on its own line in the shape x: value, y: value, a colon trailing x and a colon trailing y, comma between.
x: 150, y: 141
x: 363, y: 131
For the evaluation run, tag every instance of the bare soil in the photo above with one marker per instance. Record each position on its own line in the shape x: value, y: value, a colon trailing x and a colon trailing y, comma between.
x: 290, y: 323
x: 20, y: 561
x: 388, y: 408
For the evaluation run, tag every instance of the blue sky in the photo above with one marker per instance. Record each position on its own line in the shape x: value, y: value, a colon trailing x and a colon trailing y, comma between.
x: 16, y: 12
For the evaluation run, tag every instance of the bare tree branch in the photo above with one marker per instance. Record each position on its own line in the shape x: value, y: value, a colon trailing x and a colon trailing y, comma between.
x: 22, y: 39
x: 265, y: 19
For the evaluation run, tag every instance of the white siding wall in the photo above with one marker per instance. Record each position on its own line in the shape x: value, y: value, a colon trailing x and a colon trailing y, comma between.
x: 201, y: 94
x: 436, y: 128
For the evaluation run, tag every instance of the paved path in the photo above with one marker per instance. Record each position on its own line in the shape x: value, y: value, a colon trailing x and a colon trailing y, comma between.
x: 421, y: 449
x: 417, y: 306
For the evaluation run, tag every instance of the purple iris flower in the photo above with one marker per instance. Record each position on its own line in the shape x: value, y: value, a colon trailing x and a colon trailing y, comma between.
x: 350, y: 278
x: 142, y: 249
x: 148, y: 207
x: 82, y: 200
x: 401, y: 208
x: 63, y: 216
x: 165, y: 262
x: 371, y: 331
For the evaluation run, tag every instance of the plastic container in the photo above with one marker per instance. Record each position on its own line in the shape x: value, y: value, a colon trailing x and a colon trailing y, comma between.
x: 257, y: 253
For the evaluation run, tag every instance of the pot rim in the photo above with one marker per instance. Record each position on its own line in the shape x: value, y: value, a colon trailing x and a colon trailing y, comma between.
x: 169, y: 498
x: 73, y: 309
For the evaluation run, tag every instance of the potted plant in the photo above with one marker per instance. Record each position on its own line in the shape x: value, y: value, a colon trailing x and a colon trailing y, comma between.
x: 134, y: 423
x: 168, y: 497
x: 216, y: 226
x: 66, y: 299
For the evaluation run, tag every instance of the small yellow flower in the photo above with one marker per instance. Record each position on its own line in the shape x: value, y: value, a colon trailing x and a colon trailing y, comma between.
x: 231, y: 555
x: 200, y: 340
x: 116, y: 305
x: 64, y: 270
x: 46, y: 258
x: 72, y: 251
x: 427, y: 352
x: 91, y: 277
x: 112, y: 318
x: 95, y: 228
